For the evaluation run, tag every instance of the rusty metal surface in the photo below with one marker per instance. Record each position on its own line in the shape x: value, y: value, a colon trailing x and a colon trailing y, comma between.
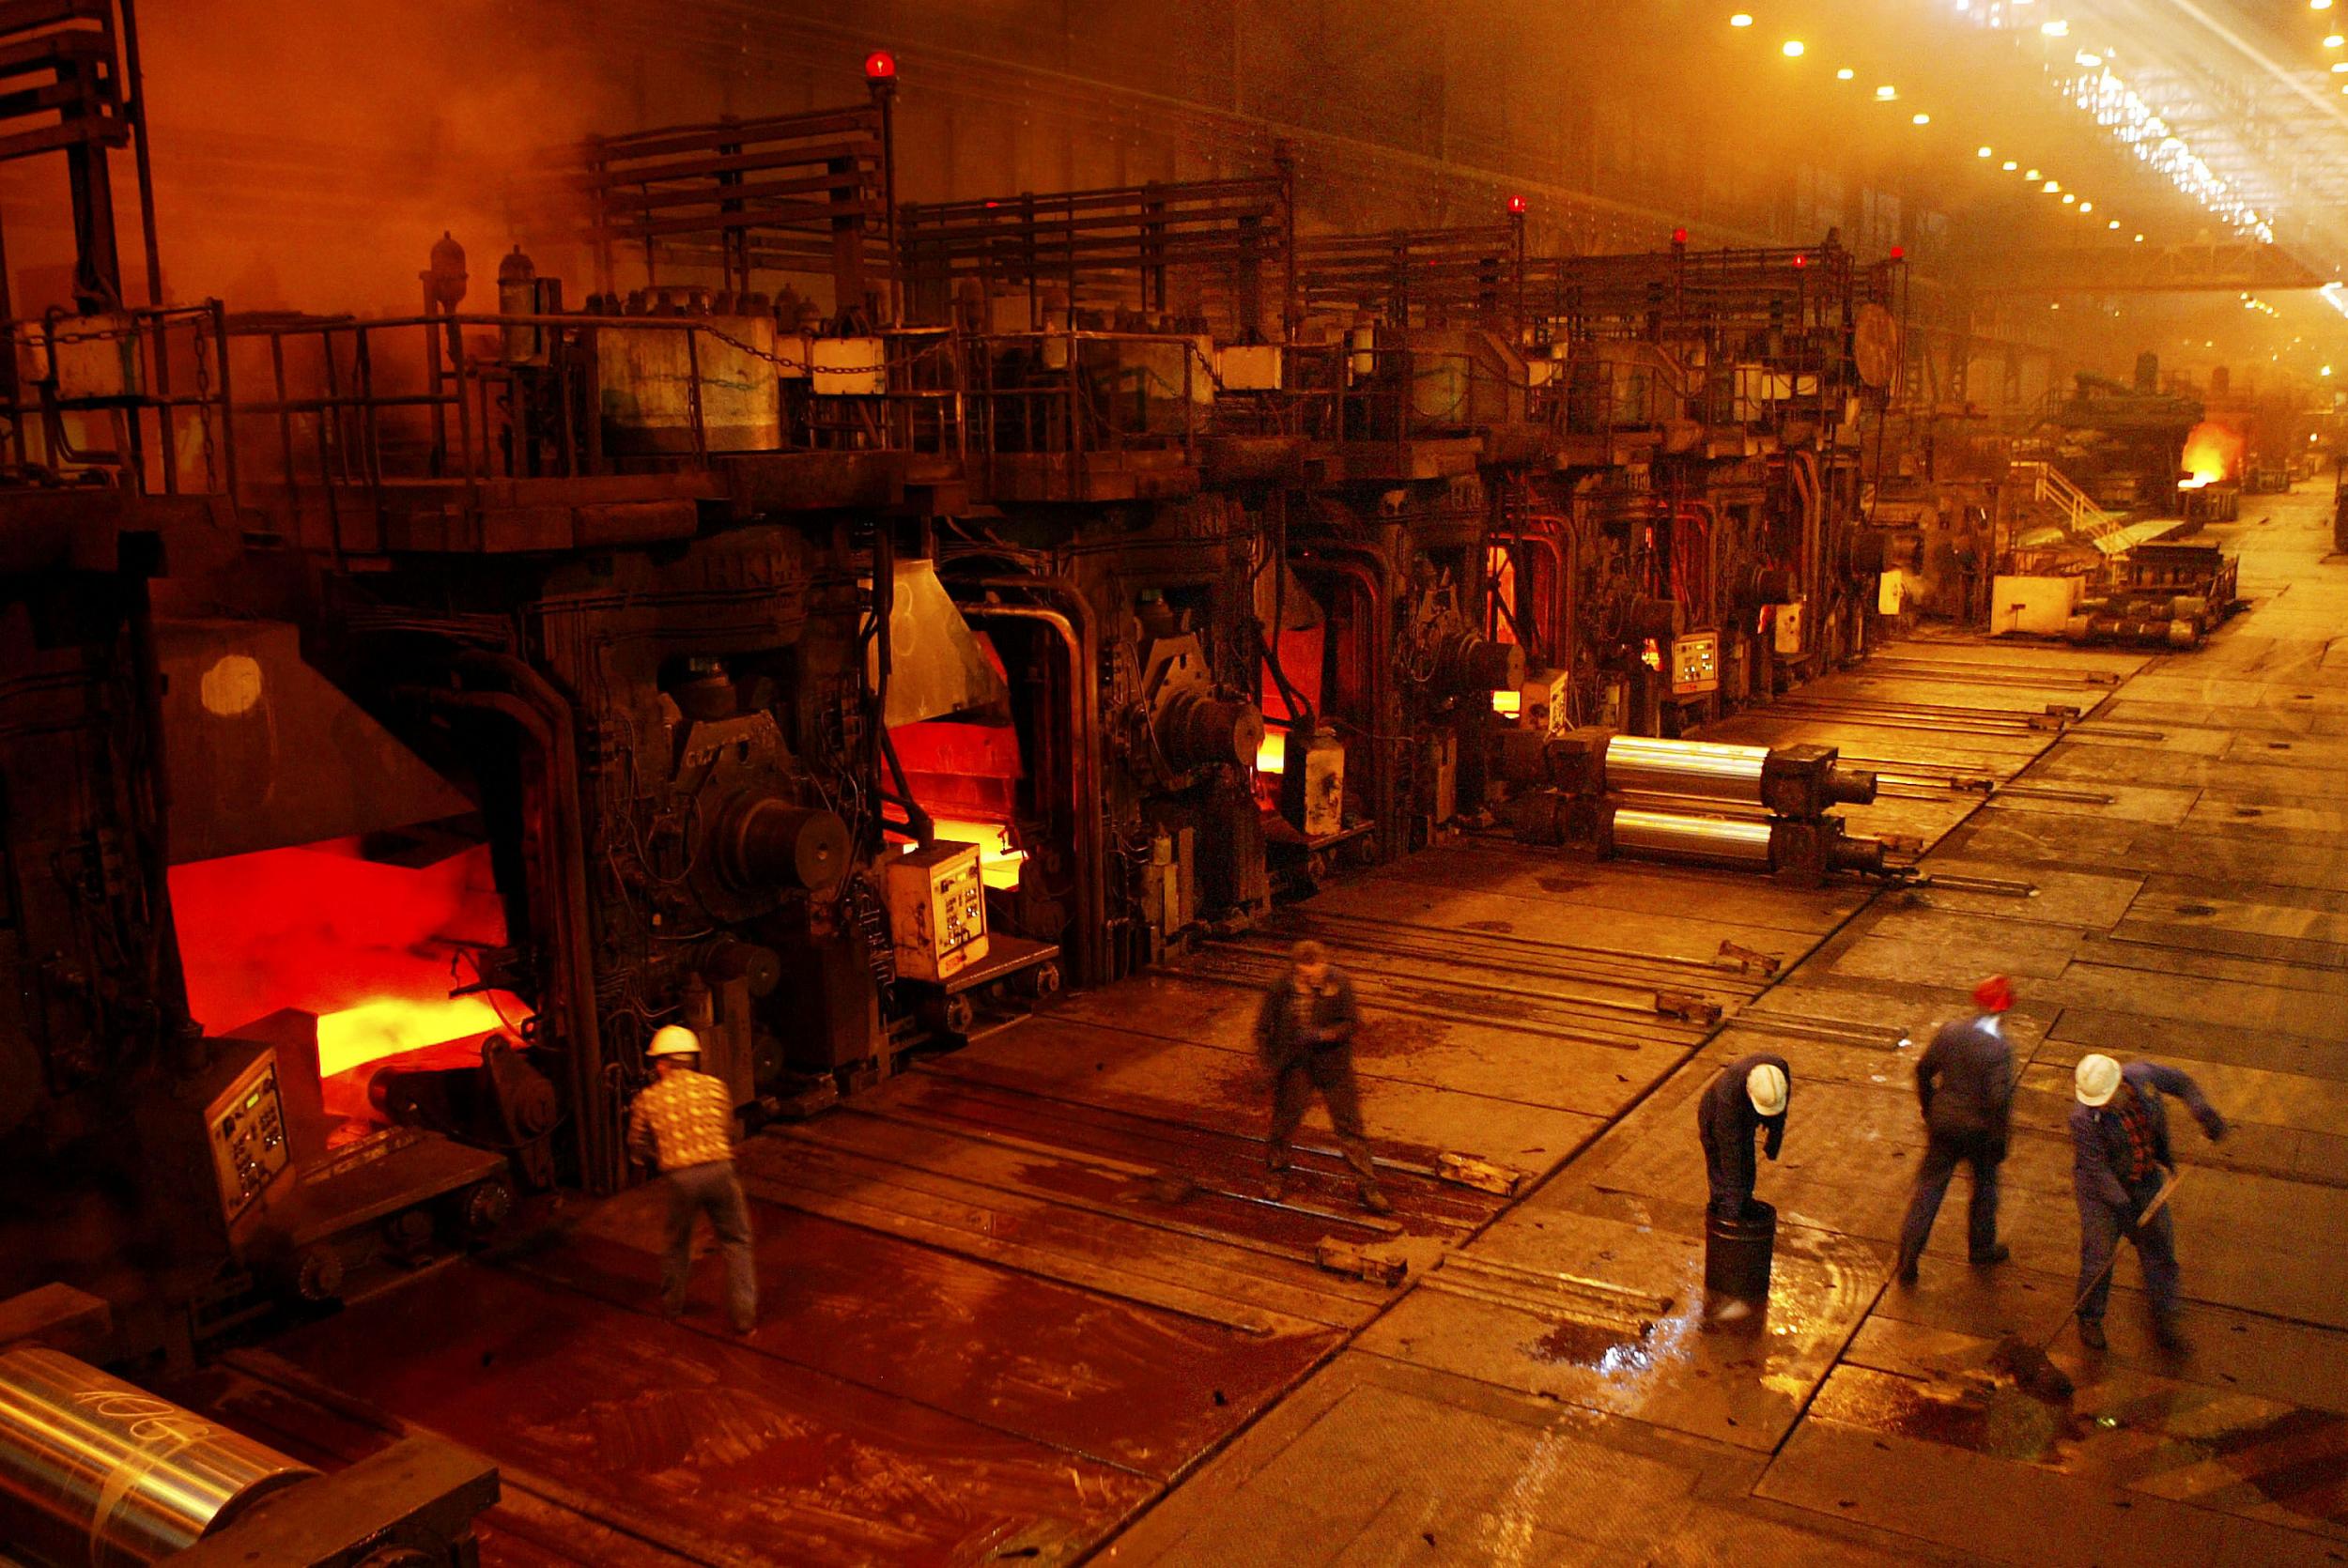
x: 1015, y: 1294
x: 708, y: 1439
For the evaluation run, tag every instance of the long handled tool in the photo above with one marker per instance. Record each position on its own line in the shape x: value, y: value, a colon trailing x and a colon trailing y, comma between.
x: 2028, y: 1362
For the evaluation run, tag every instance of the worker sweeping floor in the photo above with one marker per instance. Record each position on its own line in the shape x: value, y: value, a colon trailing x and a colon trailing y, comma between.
x: 2166, y: 883
x: 1040, y: 1299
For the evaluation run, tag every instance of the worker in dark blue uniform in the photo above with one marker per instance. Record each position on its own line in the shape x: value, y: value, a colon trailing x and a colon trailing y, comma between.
x: 1965, y: 1079
x: 2120, y: 1159
x: 1748, y: 1097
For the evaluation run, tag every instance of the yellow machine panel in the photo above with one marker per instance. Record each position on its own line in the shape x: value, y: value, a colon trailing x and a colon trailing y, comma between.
x: 936, y: 904
x: 247, y: 1132
x: 1696, y: 664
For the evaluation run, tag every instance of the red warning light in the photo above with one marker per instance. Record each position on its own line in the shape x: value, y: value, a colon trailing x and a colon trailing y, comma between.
x: 1899, y: 252
x: 1679, y: 236
x: 1801, y: 261
x: 1516, y: 205
x: 879, y: 65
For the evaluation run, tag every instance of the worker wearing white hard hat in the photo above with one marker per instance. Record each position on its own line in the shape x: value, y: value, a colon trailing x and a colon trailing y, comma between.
x: 682, y: 1125
x: 1748, y: 1097
x: 2121, y: 1157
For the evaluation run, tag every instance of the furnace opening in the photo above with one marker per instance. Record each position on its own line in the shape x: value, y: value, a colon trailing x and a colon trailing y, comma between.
x: 371, y: 936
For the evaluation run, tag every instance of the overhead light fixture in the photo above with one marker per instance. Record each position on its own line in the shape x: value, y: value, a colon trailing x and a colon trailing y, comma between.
x: 2140, y: 239
x: 2319, y: 4
x: 2030, y: 174
x: 2339, y: 67
x: 2069, y: 198
x: 2062, y: 30
x: 2009, y: 165
x: 1791, y: 49
x: 2089, y: 58
x: 1919, y: 119
x: 2334, y: 42
x: 1981, y: 152
x: 2113, y: 224
x: 1845, y: 74
x: 2051, y: 187
x: 2087, y: 206
x: 1740, y: 20
x: 1887, y: 93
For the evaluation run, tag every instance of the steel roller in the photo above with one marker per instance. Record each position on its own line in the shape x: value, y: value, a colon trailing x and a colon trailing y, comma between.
x: 95, y: 1471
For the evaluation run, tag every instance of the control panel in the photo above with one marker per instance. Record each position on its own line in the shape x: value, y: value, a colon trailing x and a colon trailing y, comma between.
x: 247, y: 1136
x: 937, y: 904
x: 1695, y: 663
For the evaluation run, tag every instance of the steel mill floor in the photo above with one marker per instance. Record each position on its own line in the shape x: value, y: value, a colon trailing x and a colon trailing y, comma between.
x: 1028, y: 1302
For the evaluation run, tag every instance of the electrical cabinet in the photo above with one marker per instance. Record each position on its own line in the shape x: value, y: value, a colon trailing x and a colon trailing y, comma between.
x: 937, y: 905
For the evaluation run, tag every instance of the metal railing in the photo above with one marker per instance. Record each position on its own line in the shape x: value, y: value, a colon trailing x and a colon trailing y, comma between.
x: 154, y: 381
x: 2078, y: 514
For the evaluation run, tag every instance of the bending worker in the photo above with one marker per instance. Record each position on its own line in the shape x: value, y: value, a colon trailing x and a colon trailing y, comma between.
x: 1748, y: 1096
x: 2120, y: 1159
x: 1965, y: 1082
x: 1305, y: 1032
x: 683, y: 1126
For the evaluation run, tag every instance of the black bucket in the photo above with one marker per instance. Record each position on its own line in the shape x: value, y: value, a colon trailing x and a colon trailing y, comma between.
x: 1736, y: 1253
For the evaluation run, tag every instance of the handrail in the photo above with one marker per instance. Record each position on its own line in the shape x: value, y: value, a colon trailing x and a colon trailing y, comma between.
x: 2082, y: 517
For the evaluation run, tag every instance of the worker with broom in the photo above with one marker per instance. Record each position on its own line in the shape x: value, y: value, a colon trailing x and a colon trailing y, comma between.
x: 2121, y: 1164
x: 1965, y: 1082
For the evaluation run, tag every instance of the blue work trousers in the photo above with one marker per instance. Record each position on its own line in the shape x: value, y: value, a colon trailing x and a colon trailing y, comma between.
x: 710, y: 1188
x: 1943, y: 1153
x: 2100, y: 1226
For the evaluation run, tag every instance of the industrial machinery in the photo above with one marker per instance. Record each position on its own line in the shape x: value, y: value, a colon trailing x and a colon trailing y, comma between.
x: 98, y: 1471
x: 1740, y: 806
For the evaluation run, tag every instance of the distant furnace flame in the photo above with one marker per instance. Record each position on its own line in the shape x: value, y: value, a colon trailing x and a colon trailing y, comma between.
x: 2212, y: 452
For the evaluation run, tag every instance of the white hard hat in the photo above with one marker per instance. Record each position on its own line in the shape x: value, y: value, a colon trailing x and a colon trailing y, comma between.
x: 1766, y: 1084
x: 676, y: 1039
x: 2095, y: 1080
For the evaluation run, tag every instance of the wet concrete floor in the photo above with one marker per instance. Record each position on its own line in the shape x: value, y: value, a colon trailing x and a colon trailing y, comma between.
x: 1034, y: 1302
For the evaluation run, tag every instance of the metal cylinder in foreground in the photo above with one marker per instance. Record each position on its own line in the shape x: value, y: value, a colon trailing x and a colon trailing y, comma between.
x: 1705, y: 770
x: 95, y: 1471
x: 1703, y: 840
x: 1737, y: 1253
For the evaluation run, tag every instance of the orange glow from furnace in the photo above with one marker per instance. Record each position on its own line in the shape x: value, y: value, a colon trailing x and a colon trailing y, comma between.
x: 2212, y: 452
x: 1271, y: 755
x: 372, y: 949
x: 1508, y: 705
x: 390, y: 1024
x: 998, y: 863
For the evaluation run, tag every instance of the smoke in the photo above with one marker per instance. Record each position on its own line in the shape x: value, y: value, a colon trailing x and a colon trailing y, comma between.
x: 306, y: 156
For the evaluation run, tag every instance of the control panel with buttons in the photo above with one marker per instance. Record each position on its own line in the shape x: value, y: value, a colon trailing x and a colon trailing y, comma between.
x: 1695, y: 663
x: 247, y: 1136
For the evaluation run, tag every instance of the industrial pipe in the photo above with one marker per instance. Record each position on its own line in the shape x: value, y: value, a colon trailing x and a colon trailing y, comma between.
x: 1637, y: 764
x: 1742, y: 842
x: 545, y: 715
x: 1794, y: 781
x: 1367, y: 570
x: 1795, y: 852
x: 95, y: 1471
x: 1092, y: 866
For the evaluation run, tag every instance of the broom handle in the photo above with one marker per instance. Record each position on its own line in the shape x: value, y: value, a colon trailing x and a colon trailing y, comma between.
x: 2151, y: 1208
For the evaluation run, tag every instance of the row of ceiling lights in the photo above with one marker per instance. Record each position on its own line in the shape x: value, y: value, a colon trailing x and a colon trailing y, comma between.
x: 2120, y: 110
x: 1794, y: 49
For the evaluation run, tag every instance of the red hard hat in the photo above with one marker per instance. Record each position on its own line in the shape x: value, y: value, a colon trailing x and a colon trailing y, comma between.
x: 1994, y: 995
